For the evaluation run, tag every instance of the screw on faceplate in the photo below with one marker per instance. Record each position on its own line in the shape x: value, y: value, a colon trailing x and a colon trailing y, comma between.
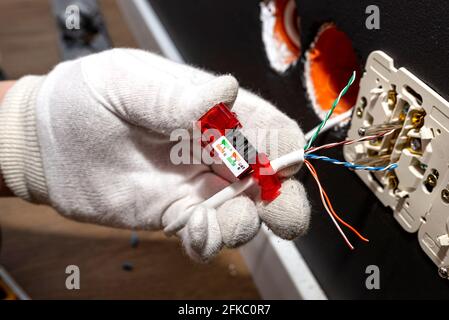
x: 415, y: 144
x: 443, y: 272
x: 445, y: 195
x: 361, y: 107
x: 431, y: 182
x: 362, y: 131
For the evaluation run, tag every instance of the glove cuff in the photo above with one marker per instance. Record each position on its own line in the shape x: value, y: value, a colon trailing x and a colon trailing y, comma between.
x: 20, y: 157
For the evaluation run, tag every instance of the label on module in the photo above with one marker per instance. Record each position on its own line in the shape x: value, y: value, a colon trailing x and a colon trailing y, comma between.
x: 229, y: 155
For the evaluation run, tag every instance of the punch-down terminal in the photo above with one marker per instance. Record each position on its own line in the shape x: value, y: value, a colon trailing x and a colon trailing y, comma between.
x: 418, y: 189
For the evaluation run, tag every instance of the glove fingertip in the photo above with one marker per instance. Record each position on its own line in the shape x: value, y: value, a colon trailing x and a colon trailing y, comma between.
x: 196, y: 228
x: 288, y: 216
x: 222, y: 89
x: 238, y: 221
x: 201, y: 238
x: 229, y: 89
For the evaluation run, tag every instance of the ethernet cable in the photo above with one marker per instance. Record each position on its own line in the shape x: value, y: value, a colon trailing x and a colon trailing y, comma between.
x: 287, y: 160
x: 295, y: 157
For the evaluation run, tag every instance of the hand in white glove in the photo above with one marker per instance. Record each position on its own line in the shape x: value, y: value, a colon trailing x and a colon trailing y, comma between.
x: 92, y: 140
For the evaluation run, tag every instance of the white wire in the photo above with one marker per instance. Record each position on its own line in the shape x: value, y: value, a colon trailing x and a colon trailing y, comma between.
x: 329, y: 212
x: 332, y: 122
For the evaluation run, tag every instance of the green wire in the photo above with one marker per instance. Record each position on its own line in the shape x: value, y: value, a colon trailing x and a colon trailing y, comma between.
x: 329, y: 113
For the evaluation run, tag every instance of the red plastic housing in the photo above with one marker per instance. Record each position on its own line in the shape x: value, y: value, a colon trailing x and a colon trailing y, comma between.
x: 219, y: 118
x: 268, y: 181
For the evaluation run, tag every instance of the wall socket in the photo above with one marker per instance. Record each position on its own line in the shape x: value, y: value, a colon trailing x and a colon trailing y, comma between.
x: 418, y: 189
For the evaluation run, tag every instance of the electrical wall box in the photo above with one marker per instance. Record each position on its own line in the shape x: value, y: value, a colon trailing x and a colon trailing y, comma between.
x: 418, y: 189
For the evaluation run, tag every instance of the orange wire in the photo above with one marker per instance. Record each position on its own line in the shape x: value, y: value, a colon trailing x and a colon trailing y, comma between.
x: 313, y: 171
x: 326, y: 206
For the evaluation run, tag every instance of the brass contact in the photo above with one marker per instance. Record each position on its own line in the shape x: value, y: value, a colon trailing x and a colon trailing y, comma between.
x: 404, y: 111
x: 376, y: 142
x: 391, y: 99
x: 393, y: 181
x: 413, y: 151
x: 417, y: 119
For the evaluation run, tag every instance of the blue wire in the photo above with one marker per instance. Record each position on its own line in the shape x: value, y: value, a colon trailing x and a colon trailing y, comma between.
x: 349, y: 164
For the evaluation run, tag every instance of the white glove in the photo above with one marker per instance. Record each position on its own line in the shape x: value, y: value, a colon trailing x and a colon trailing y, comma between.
x: 92, y: 140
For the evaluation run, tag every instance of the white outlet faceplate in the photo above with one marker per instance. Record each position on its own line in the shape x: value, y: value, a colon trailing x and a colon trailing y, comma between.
x: 418, y: 189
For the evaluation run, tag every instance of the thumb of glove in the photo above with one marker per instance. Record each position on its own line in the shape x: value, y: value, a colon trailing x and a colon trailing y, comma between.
x: 196, y: 101
x: 152, y: 92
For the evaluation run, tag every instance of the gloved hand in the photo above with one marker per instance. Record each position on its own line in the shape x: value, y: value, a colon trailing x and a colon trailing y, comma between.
x: 91, y: 139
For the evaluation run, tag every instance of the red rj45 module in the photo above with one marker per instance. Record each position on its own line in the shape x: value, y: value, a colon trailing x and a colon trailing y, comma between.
x: 220, y: 128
